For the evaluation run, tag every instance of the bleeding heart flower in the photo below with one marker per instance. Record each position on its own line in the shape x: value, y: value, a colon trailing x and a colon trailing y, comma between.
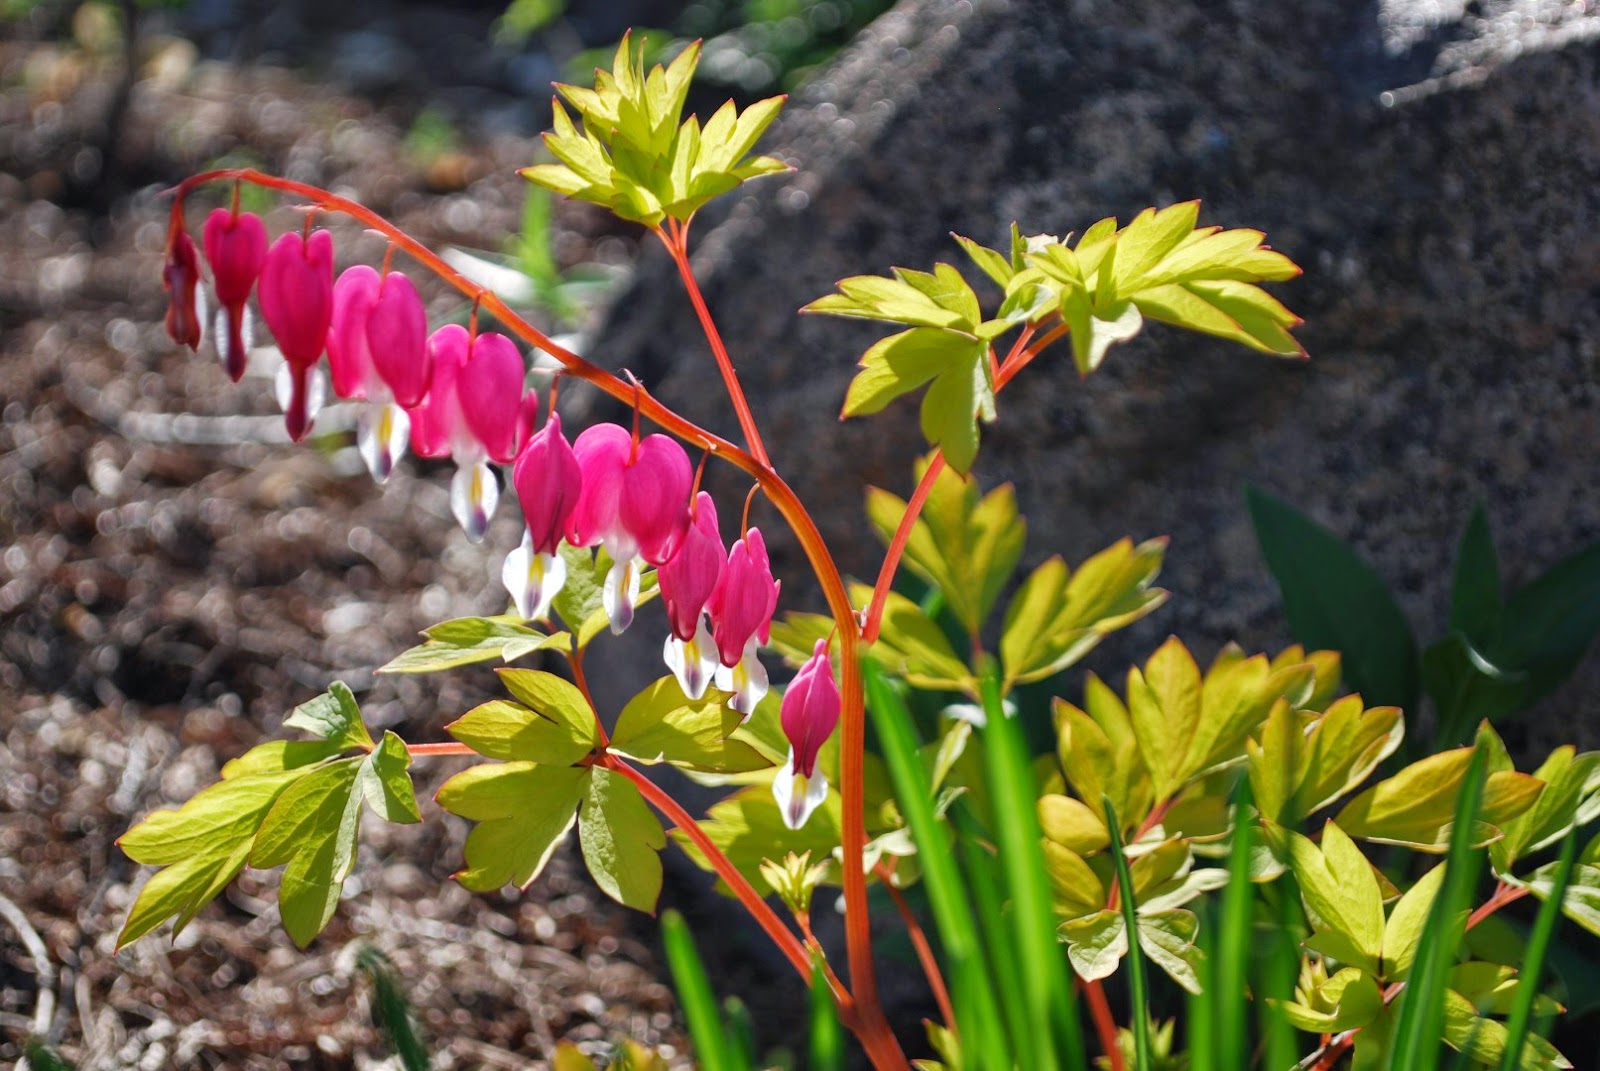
x: 687, y: 583
x: 377, y: 350
x: 741, y: 620
x: 180, y: 278
x: 489, y: 390
x: 809, y: 714
x: 296, y: 295
x: 634, y: 501
x: 236, y: 246
x: 549, y: 484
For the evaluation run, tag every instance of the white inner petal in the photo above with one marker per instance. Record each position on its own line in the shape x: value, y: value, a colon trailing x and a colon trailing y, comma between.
x: 798, y: 796
x: 382, y: 433
x: 621, y: 593
x: 474, y: 493
x: 747, y: 680
x: 694, y: 663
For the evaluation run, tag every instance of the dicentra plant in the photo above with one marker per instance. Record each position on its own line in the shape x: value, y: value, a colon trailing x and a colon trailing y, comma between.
x: 1197, y: 830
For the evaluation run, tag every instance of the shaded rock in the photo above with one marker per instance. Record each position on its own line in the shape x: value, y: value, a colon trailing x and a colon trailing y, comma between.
x: 1431, y: 165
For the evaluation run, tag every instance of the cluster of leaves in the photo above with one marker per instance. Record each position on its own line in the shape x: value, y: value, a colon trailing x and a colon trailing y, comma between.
x: 1162, y: 266
x: 1500, y: 656
x: 965, y: 546
x: 637, y: 156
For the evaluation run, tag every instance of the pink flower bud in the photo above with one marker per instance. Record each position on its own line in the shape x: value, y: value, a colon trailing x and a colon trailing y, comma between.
x: 180, y: 277
x: 549, y: 484
x: 236, y: 246
x: 397, y: 335
x: 349, y: 354
x: 688, y: 580
x: 433, y: 418
x: 635, y: 497
x: 296, y: 295
x: 743, y: 604
x: 810, y: 709
x: 489, y: 390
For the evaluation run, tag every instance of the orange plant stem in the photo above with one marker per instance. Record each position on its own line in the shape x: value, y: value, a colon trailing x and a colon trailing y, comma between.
x: 919, y: 941
x: 676, y: 239
x: 1105, y: 1026
x: 449, y: 747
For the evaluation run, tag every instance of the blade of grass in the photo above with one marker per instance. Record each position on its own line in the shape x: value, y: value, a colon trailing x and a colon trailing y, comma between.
x: 694, y: 992
x: 966, y: 965
x: 1544, y: 928
x: 1231, y: 956
x: 1138, y: 991
x: 827, y: 1036
x: 1014, y: 797
x: 1420, y: 1019
x: 1005, y: 984
x: 1281, y: 1042
x: 391, y: 1010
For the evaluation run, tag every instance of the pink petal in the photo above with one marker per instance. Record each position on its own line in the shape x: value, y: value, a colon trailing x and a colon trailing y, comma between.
x: 549, y: 485
x: 397, y: 332
x: 602, y: 452
x: 745, y: 599
x: 433, y: 419
x: 296, y: 295
x: 810, y: 709
x: 654, y: 508
x: 349, y: 352
x: 179, y: 277
x: 489, y: 390
x: 236, y: 246
x: 688, y: 580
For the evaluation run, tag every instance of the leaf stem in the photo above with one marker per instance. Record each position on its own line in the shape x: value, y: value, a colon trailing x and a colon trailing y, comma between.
x: 582, y: 682
x: 676, y: 239
x: 449, y: 747
x: 1105, y: 1025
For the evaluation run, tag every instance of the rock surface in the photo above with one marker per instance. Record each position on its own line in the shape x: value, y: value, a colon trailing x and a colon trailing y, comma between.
x: 1431, y: 165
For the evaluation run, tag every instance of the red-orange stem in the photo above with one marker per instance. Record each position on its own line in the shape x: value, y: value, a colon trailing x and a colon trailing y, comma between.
x: 919, y: 941
x: 1104, y: 1025
x: 897, y: 547
x: 676, y: 239
x: 449, y: 747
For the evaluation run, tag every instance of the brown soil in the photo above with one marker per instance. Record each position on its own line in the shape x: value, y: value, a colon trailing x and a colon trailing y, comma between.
x: 174, y: 579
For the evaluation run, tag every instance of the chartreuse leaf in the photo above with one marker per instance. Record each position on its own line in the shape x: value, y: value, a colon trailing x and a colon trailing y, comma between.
x: 312, y: 828
x: 201, y: 847
x: 1404, y: 929
x: 621, y: 840
x: 333, y: 716
x: 1342, y: 897
x: 963, y: 544
x: 523, y: 810
x: 1347, y: 1001
x: 1581, y: 903
x: 1520, y: 1013
x: 1296, y: 771
x: 905, y: 362
x: 637, y: 155
x: 207, y: 841
x: 1484, y: 1039
x: 1100, y: 755
x: 1186, y: 724
x: 1416, y: 807
x: 1334, y: 600
x: 474, y: 639
x: 915, y: 648
x: 553, y: 724
x: 1571, y: 798
x: 661, y: 724
x: 1058, y: 616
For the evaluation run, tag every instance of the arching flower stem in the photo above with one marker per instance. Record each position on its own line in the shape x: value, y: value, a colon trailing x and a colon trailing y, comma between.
x: 866, y: 1015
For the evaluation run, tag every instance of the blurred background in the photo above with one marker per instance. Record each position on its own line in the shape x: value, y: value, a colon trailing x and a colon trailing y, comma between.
x: 174, y: 577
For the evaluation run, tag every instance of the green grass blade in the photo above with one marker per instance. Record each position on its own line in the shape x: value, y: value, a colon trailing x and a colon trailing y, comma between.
x: 1281, y: 1042
x: 1420, y: 1022
x: 391, y: 1011
x: 827, y: 1036
x: 1020, y: 1029
x: 700, y: 1011
x: 1014, y: 797
x: 1138, y: 989
x: 1230, y: 958
x: 1544, y: 928
x: 964, y: 960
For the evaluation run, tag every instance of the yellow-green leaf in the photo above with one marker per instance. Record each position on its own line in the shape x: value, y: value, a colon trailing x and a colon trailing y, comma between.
x: 1416, y: 807
x: 661, y: 724
x: 621, y: 839
x: 523, y: 811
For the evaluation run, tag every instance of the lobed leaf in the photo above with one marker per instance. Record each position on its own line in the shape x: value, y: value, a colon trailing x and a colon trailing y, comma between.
x: 661, y: 724
x: 621, y: 839
x: 468, y: 640
x: 523, y: 810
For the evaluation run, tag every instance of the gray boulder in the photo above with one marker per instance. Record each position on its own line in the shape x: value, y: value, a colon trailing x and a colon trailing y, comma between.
x: 1434, y: 166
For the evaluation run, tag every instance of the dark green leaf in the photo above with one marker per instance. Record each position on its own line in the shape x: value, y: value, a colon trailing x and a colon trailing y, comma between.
x: 1334, y: 600
x: 1475, y: 596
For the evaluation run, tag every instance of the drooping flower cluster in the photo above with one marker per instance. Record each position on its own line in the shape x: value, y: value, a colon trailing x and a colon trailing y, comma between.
x: 462, y: 394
